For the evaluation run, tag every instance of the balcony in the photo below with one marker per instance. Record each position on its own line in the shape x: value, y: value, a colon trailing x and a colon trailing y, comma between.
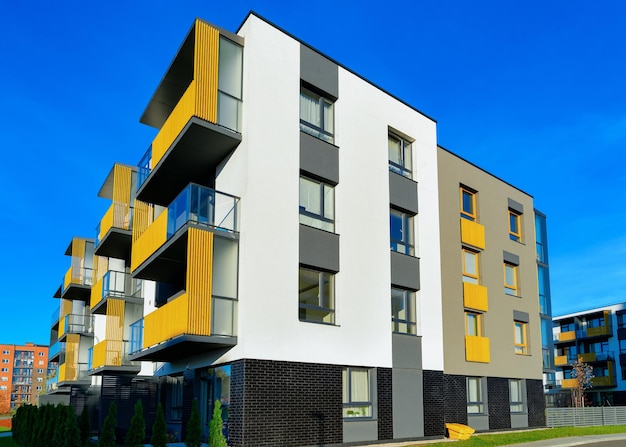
x: 55, y: 351
x: 111, y: 357
x: 564, y: 360
x: 472, y: 233
x: 565, y: 337
x: 477, y: 349
x: 77, y: 284
x: 76, y: 324
x: 475, y: 297
x: 115, y: 285
x: 73, y: 374
x: 114, y: 232
x: 591, y: 332
x: 197, y: 109
x: 54, y: 318
x: 160, y: 252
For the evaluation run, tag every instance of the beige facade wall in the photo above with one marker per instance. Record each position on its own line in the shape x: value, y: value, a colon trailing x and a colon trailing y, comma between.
x: 492, y: 205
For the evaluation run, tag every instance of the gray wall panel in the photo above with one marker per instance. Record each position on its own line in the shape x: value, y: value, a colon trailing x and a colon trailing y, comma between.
x: 408, y: 404
x: 319, y: 158
x: 510, y: 257
x: 519, y: 420
x: 516, y: 206
x: 402, y: 193
x: 319, y: 71
x: 406, y: 351
x: 478, y: 423
x: 518, y: 315
x: 358, y: 431
x: 405, y: 271
x: 319, y: 248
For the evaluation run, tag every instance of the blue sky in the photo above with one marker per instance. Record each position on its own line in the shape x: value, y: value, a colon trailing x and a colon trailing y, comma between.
x: 531, y: 91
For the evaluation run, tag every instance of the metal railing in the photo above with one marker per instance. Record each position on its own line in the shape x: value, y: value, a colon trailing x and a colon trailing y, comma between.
x: 583, y: 417
x: 79, y: 324
x: 136, y: 336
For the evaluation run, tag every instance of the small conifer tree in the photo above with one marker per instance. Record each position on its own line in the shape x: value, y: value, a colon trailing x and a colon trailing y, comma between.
x: 137, y: 430
x: 59, y: 421
x: 71, y: 433
x: 159, y: 429
x: 194, y: 431
x: 84, y: 426
x: 107, y: 435
x: 216, y: 435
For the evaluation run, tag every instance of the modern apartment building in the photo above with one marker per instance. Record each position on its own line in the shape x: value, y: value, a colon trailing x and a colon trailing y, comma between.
x: 295, y: 244
x: 23, y: 372
x: 596, y: 337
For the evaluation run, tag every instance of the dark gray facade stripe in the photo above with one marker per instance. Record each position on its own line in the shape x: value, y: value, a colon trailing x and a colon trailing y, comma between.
x: 516, y: 206
x: 510, y: 258
x: 523, y: 317
x: 405, y: 271
x: 402, y: 193
x: 319, y: 71
x: 319, y: 159
x: 319, y: 249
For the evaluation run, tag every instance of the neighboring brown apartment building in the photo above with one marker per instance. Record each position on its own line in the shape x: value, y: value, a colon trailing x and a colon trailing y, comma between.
x: 23, y: 371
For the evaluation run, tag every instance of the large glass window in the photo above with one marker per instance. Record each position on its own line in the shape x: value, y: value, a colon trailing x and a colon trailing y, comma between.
x: 230, y: 84
x: 357, y: 401
x: 401, y: 225
x: 470, y: 266
x: 516, y: 395
x: 176, y: 396
x: 317, y: 204
x: 510, y: 279
x: 400, y: 160
x: 316, y: 296
x: 403, y: 319
x: 316, y: 115
x: 468, y: 203
x: 475, y: 399
x: 521, y: 337
x: 473, y: 324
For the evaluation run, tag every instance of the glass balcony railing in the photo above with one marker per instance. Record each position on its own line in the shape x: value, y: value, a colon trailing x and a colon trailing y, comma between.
x: 52, y: 383
x: 119, y: 215
x: 144, y: 167
x: 79, y: 324
x: 202, y: 205
x: 136, y: 336
x: 81, y: 276
x: 54, y: 318
x: 120, y: 285
x: 55, y: 349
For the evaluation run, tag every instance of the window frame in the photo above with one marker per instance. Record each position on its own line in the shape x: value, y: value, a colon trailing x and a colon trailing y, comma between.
x: 322, y: 218
x: 322, y: 298
x: 478, y: 326
x: 347, y: 400
x: 468, y: 276
x: 409, y: 306
x: 404, y: 168
x: 469, y: 215
x: 515, y: 217
x: 511, y: 289
x: 517, y: 406
x: 310, y: 128
x: 521, y: 345
x: 480, y: 403
x: 408, y: 233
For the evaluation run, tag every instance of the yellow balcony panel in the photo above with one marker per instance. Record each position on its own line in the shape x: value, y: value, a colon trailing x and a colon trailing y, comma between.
x: 111, y: 357
x: 569, y: 383
x: 477, y: 349
x: 472, y: 233
x: 149, y: 242
x: 77, y: 284
x: 475, y: 297
x: 567, y: 336
x: 115, y: 234
x: 607, y: 381
x: 598, y: 331
x: 561, y: 360
x: 587, y: 357
x: 193, y: 136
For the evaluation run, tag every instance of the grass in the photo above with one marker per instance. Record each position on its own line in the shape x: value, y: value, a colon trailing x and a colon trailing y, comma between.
x: 4, y: 429
x: 492, y: 440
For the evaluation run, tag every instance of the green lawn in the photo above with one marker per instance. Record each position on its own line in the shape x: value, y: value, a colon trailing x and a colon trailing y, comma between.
x: 492, y: 440
x: 4, y: 429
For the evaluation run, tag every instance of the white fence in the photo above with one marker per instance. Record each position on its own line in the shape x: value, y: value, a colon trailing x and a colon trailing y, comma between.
x: 579, y: 417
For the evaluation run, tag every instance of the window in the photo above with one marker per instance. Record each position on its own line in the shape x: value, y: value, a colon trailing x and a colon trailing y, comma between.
x: 516, y: 395
x: 6, y: 352
x: 510, y: 279
x: 39, y: 379
x: 470, y: 266
x: 515, y: 226
x: 4, y: 379
x: 41, y: 354
x: 317, y: 204
x: 5, y: 360
x: 521, y: 338
x: 473, y: 324
x: 475, y: 400
x: 400, y: 155
x: 5, y: 370
x: 403, y: 311
x: 468, y: 203
x: 357, y: 402
x: 40, y: 371
x: 316, y: 296
x: 316, y: 115
x: 40, y: 362
x: 3, y: 388
x: 401, y: 225
x: 39, y: 388
x: 176, y: 409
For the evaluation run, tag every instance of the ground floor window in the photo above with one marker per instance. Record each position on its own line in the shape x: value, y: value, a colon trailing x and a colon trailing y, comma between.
x: 357, y: 391
x: 475, y: 395
x: 516, y: 394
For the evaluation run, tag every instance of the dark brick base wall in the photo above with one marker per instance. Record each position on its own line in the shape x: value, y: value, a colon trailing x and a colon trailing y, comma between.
x: 433, y: 382
x: 277, y: 404
x: 536, y: 403
x: 499, y: 403
x: 385, y: 403
x: 455, y: 395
